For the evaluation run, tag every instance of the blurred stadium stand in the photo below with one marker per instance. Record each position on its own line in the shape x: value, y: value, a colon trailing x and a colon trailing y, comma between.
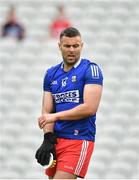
x: 110, y: 30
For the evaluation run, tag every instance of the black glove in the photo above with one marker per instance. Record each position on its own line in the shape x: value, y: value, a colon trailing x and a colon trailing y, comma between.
x: 48, y: 146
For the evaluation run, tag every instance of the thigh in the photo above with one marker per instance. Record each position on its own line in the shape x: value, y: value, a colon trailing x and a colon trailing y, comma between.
x: 64, y: 175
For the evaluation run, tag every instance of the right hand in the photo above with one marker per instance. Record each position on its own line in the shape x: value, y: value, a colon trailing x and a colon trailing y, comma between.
x: 48, y: 146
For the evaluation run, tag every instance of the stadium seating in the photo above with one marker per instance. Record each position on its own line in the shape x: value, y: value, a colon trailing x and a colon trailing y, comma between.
x: 110, y: 31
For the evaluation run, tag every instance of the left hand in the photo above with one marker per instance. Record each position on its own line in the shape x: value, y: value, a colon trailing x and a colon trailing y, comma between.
x: 45, y: 119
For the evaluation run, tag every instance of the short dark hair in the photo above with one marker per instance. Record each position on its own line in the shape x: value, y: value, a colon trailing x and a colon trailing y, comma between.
x: 70, y: 32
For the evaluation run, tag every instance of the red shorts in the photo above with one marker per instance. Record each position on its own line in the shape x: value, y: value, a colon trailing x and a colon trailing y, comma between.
x: 73, y: 156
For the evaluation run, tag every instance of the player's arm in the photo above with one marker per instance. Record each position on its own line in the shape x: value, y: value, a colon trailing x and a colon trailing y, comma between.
x: 47, y: 102
x: 47, y: 107
x: 91, y: 97
x: 47, y: 148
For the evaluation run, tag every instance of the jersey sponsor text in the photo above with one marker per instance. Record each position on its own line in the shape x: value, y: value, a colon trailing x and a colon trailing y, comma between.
x: 69, y: 96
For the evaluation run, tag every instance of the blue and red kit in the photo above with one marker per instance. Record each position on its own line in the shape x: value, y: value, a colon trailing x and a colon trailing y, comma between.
x: 67, y: 91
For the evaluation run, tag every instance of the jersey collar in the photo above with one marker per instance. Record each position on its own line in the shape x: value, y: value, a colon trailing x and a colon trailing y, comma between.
x: 75, y: 65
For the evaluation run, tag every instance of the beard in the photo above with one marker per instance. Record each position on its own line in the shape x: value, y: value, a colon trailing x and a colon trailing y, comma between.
x: 71, y: 60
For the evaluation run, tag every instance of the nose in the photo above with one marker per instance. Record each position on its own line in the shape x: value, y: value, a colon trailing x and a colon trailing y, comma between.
x: 71, y: 49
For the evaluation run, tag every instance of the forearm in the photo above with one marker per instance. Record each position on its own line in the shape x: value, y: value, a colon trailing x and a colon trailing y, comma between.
x: 47, y: 108
x: 79, y: 112
x: 48, y: 128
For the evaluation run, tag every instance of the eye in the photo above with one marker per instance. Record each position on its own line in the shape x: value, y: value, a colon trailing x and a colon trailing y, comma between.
x: 67, y: 46
x: 75, y: 45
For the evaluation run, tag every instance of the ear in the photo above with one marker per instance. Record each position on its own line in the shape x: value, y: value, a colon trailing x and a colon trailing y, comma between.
x: 82, y: 44
x: 59, y: 45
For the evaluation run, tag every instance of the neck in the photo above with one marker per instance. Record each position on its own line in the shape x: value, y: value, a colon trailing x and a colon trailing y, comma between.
x: 67, y: 67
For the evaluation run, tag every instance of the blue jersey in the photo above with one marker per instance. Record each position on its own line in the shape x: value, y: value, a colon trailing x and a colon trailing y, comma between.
x: 67, y: 90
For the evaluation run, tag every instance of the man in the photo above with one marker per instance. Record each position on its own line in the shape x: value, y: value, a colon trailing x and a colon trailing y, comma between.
x: 12, y: 28
x: 72, y: 92
x: 60, y: 22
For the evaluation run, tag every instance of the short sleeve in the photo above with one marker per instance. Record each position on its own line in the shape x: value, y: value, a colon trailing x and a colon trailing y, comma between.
x: 94, y: 75
x: 46, y: 82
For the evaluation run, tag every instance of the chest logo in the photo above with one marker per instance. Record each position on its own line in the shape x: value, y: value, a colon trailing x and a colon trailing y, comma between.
x: 74, y: 79
x: 64, y: 81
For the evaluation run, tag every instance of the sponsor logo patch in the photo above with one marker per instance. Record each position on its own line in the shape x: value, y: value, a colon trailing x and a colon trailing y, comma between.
x: 69, y: 96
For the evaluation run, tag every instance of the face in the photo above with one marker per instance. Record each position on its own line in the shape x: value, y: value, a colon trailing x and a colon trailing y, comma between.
x: 70, y: 48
